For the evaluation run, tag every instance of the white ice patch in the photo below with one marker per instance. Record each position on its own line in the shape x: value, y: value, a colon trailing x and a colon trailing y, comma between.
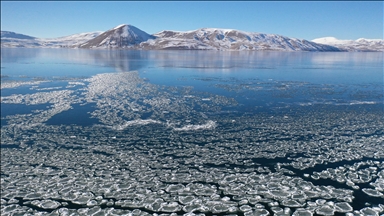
x: 76, y: 83
x: 38, y: 98
x: 136, y: 122
x: 16, y: 84
x: 362, y: 102
x: 209, y: 125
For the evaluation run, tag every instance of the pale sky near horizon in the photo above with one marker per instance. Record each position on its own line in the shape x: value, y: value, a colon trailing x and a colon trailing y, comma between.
x: 299, y: 19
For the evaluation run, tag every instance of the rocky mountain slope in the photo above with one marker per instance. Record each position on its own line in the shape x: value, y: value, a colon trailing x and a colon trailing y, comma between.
x: 360, y: 45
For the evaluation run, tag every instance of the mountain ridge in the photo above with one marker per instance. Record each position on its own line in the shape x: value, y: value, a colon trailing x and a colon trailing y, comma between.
x: 127, y: 36
x: 230, y: 39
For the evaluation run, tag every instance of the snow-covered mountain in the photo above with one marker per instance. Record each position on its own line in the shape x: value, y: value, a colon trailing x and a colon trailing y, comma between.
x: 129, y: 37
x: 12, y: 39
x: 230, y: 39
x: 122, y: 36
x: 360, y: 45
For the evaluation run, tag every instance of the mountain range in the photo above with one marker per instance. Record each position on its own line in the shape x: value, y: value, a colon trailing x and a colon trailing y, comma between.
x: 130, y: 37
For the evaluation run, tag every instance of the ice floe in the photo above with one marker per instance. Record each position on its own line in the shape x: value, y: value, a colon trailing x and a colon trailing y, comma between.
x: 169, y: 150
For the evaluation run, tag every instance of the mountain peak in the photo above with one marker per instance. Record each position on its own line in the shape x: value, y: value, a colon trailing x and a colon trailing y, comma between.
x: 121, y: 36
x: 128, y: 26
x: 122, y: 25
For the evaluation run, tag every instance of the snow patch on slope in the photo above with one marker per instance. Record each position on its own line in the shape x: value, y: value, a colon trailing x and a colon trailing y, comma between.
x: 119, y: 26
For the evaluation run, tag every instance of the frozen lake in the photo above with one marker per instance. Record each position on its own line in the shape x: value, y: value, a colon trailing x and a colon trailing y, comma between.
x: 158, y: 132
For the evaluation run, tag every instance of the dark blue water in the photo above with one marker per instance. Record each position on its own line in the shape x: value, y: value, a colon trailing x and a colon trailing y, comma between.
x: 79, y: 115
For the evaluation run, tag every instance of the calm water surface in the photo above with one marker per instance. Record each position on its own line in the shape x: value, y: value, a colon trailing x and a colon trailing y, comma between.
x: 344, y: 73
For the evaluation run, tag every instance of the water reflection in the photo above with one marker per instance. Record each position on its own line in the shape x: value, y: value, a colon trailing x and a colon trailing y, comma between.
x: 358, y: 58
x: 205, y: 60
x: 119, y: 60
x: 128, y: 60
x: 220, y: 60
x: 9, y: 55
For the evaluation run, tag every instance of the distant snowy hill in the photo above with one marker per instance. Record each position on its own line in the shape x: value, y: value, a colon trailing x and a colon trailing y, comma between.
x: 360, y: 45
x: 8, y: 34
x: 12, y: 39
x: 230, y: 39
x: 122, y: 36
x: 71, y: 40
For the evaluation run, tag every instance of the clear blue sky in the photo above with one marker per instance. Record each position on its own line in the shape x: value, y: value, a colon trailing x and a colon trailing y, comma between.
x: 304, y: 20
